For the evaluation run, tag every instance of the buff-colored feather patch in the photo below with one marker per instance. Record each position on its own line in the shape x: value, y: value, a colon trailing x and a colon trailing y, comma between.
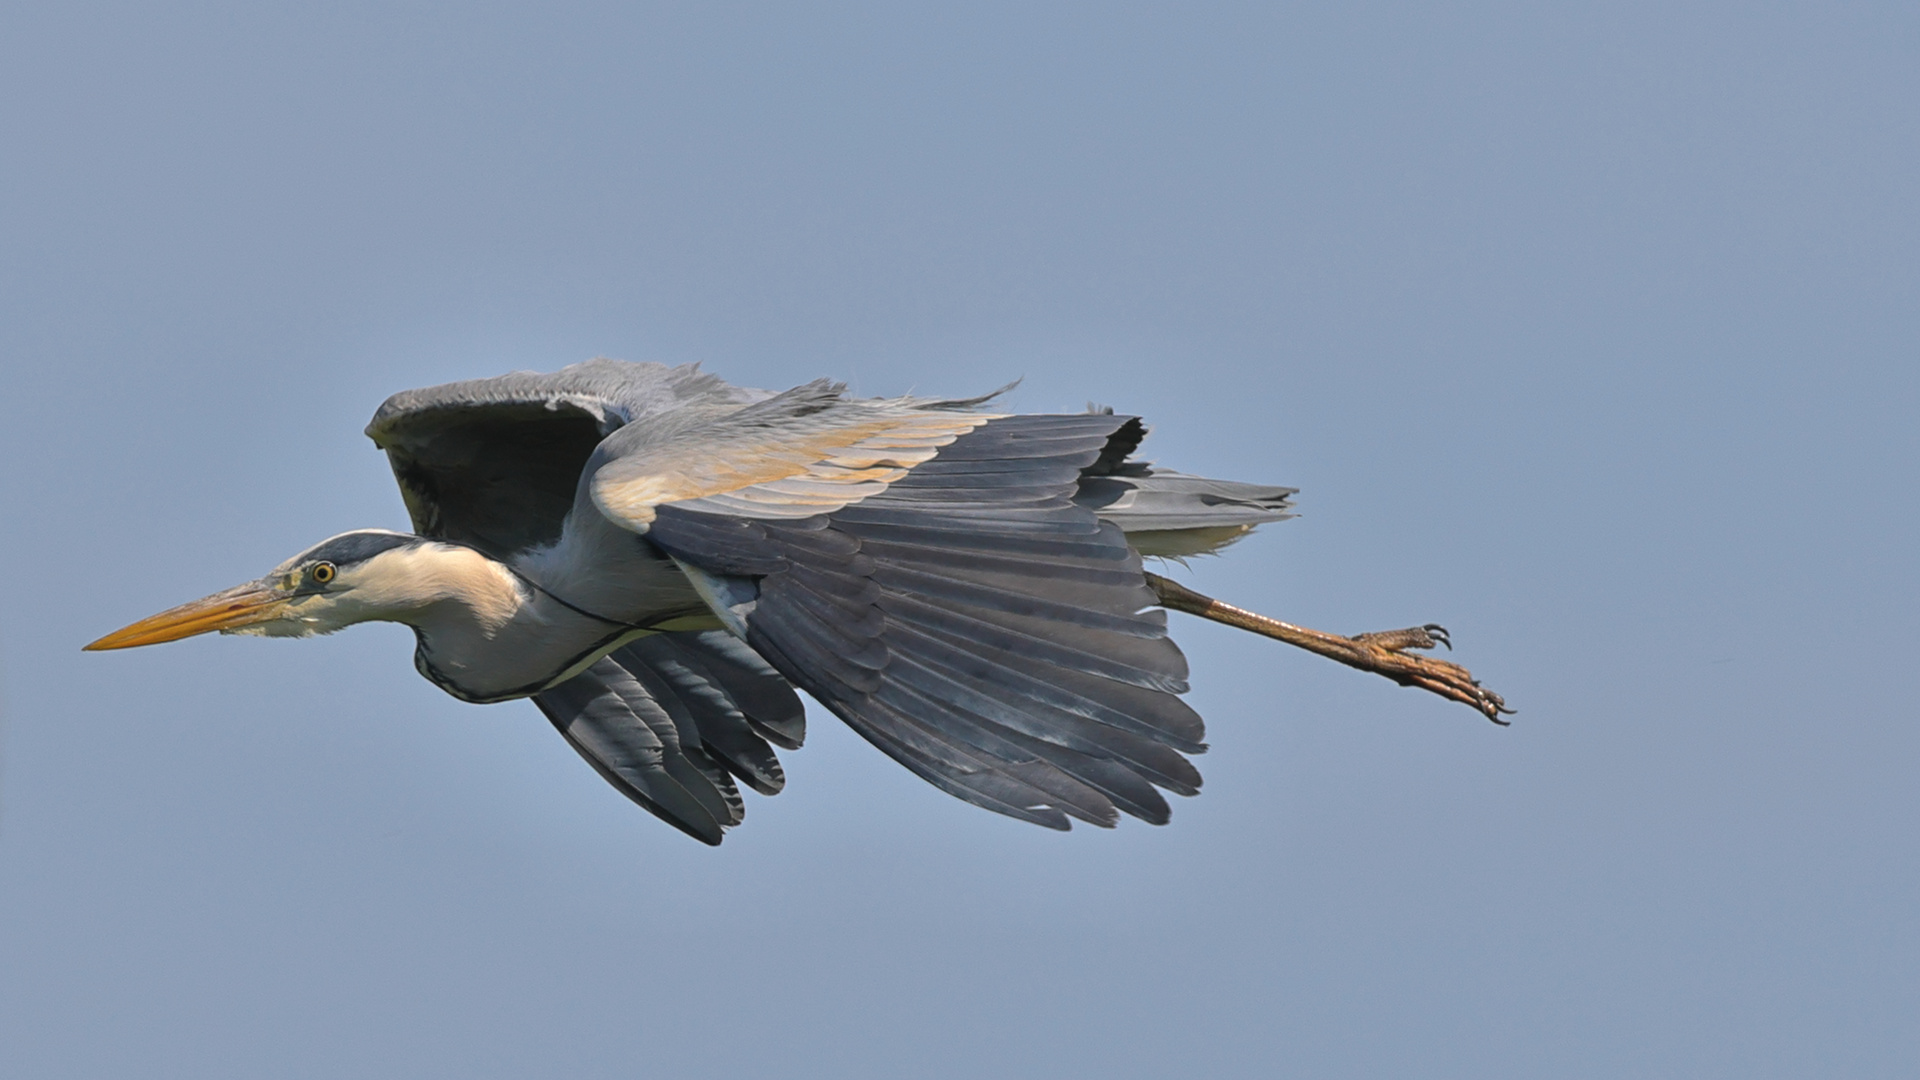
x: 758, y: 474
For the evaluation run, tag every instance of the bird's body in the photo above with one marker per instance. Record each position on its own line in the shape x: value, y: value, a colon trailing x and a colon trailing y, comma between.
x: 657, y: 558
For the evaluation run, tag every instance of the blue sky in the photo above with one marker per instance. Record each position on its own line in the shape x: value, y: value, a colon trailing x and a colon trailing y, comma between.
x: 1587, y: 331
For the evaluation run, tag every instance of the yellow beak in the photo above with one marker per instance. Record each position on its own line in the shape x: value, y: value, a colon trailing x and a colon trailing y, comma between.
x: 242, y: 605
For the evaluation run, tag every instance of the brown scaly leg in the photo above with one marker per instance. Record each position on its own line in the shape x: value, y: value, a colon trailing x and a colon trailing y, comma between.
x: 1382, y: 653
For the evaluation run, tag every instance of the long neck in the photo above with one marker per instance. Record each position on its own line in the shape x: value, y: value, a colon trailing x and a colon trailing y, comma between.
x: 509, y: 631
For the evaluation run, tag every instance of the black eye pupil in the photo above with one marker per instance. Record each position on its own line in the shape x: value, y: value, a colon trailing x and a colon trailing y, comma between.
x: 323, y: 573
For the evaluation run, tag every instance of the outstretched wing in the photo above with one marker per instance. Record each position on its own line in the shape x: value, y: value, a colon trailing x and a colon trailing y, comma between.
x: 925, y: 573
x: 494, y: 463
x: 670, y: 720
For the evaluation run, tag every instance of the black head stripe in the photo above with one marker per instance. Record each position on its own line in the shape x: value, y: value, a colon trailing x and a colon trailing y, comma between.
x: 355, y: 547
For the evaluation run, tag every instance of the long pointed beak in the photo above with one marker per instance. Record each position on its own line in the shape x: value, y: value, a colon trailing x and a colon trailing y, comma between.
x: 242, y: 605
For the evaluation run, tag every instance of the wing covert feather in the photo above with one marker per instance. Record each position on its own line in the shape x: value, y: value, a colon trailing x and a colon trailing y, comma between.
x: 805, y: 452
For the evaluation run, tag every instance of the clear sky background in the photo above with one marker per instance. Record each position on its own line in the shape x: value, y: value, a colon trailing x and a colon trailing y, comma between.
x: 1592, y: 332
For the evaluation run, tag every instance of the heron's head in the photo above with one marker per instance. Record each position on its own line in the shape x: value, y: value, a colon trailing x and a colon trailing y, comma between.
x: 355, y: 577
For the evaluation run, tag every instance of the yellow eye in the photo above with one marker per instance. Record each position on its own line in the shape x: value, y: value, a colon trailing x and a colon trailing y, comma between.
x: 323, y: 572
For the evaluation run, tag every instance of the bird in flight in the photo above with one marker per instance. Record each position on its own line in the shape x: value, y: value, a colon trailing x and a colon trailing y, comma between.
x: 659, y: 558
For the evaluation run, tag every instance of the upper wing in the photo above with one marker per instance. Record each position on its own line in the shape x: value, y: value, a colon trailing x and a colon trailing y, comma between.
x: 495, y: 462
x: 926, y: 575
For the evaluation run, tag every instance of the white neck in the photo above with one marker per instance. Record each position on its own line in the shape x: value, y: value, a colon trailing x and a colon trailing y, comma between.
x: 431, y: 581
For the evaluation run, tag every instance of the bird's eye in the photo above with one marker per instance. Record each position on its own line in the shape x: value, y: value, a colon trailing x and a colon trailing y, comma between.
x: 323, y: 572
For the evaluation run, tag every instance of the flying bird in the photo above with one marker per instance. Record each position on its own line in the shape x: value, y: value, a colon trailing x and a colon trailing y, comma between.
x: 659, y: 559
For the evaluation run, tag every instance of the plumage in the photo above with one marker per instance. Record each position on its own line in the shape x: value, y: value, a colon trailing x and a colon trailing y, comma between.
x: 658, y: 559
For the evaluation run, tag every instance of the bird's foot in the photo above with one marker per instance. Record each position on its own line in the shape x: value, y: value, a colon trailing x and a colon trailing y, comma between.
x: 1384, y: 653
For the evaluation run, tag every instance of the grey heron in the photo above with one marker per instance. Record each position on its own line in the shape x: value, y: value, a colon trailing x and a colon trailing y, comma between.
x: 659, y: 558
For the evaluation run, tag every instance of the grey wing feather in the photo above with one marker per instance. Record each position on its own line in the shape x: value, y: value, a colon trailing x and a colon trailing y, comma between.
x: 495, y: 462
x: 610, y: 718
x: 731, y: 700
x: 976, y: 624
x: 667, y: 718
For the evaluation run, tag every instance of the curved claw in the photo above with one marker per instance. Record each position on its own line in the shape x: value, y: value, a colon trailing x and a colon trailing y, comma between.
x: 1439, y: 634
x: 1455, y: 683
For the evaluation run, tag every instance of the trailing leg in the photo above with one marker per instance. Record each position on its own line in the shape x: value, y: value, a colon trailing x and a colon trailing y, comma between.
x: 1382, y: 653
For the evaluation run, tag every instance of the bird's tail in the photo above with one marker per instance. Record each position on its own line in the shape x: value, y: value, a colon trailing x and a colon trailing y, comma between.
x: 1173, y: 515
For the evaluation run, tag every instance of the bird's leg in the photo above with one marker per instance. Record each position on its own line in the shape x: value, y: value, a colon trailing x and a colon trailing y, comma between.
x: 1382, y: 653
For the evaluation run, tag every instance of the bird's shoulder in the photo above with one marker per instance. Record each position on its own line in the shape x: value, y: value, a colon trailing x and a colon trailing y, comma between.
x: 495, y: 463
